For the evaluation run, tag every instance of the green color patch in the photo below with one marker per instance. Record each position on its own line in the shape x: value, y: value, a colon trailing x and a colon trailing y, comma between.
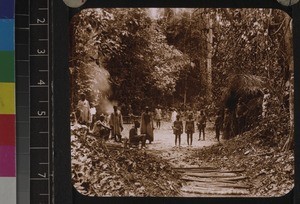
x: 7, y: 66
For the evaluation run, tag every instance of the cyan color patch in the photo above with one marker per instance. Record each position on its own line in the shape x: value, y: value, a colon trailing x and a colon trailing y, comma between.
x: 7, y: 34
x: 7, y: 9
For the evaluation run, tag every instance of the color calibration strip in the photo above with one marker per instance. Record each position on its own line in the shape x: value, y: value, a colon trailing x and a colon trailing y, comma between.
x: 7, y: 104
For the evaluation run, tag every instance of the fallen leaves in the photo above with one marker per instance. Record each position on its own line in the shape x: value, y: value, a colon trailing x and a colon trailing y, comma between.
x: 270, y: 171
x: 110, y: 170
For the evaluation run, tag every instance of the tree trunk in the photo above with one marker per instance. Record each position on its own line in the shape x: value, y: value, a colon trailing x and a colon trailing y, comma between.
x: 209, y: 56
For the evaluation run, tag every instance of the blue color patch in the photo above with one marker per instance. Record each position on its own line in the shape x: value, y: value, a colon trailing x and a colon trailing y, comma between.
x: 7, y: 9
x: 7, y: 34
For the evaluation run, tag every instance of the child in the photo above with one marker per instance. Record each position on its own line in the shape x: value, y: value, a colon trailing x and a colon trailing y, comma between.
x: 201, y: 124
x: 190, y: 129
x: 177, y: 130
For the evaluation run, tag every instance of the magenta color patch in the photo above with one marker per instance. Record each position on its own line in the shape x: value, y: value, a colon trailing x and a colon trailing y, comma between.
x: 7, y: 161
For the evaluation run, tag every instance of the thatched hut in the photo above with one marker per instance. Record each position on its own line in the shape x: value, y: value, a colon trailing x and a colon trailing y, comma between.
x: 242, y: 100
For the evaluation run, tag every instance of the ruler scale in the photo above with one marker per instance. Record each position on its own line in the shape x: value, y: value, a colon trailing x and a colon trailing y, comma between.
x: 34, y: 69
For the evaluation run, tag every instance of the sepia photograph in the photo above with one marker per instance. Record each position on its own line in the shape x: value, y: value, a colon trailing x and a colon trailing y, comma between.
x: 182, y: 102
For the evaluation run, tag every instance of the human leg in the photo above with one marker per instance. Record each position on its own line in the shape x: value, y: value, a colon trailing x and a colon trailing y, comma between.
x: 188, y: 140
x: 218, y: 133
x: 143, y: 139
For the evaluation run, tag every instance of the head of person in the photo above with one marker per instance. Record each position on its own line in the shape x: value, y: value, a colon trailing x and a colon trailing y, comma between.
x: 115, y: 108
x: 190, y: 117
x: 146, y: 109
x: 101, y: 117
x: 177, y: 117
x: 82, y: 97
x: 137, y: 124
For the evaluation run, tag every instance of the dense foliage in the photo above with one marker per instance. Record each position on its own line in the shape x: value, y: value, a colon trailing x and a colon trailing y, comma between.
x: 191, y: 57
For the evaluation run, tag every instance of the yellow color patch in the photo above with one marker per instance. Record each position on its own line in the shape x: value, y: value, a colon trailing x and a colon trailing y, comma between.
x: 7, y: 98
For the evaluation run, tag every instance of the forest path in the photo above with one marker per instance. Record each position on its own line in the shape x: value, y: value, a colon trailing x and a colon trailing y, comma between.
x: 199, y: 179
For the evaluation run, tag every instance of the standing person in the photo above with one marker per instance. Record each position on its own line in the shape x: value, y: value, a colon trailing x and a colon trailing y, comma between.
x: 240, y: 114
x: 227, y: 127
x: 201, y: 124
x: 158, y: 117
x: 83, y: 107
x: 147, y: 125
x: 116, y: 124
x: 190, y: 129
x: 130, y: 114
x: 218, y: 125
x: 177, y: 130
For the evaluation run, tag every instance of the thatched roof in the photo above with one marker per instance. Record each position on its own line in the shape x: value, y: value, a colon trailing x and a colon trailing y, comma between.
x: 246, y: 84
x: 242, y: 85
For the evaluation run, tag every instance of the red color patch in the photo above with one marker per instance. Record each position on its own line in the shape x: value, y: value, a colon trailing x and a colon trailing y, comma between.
x: 8, y: 130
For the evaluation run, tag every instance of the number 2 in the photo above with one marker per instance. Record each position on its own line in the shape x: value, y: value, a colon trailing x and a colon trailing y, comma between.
x: 43, y: 20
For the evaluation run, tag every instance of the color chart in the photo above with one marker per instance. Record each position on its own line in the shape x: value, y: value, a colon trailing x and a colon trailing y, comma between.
x: 7, y: 103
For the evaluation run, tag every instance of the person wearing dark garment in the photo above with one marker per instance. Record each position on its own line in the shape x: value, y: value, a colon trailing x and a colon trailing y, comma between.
x: 201, y: 123
x: 135, y: 138
x: 177, y: 130
x: 240, y: 114
x: 227, y: 125
x: 147, y: 125
x: 190, y: 129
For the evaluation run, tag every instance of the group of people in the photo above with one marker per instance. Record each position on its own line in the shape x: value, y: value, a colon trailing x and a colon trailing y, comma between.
x: 182, y: 122
x: 191, y: 123
x: 101, y: 126
x: 186, y: 121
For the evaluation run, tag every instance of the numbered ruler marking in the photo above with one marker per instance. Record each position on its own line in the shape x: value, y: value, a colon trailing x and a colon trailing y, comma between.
x: 40, y: 121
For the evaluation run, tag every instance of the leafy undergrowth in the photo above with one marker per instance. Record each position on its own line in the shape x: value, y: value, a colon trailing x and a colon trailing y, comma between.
x: 269, y: 170
x: 111, y: 170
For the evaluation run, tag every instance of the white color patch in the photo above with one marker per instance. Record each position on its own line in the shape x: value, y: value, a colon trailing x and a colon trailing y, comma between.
x: 8, y: 190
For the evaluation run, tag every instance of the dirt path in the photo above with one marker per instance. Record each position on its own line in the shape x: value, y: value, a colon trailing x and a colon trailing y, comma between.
x: 199, y: 179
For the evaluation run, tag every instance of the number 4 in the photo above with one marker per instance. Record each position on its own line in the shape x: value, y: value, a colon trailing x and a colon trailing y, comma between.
x: 41, y: 82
